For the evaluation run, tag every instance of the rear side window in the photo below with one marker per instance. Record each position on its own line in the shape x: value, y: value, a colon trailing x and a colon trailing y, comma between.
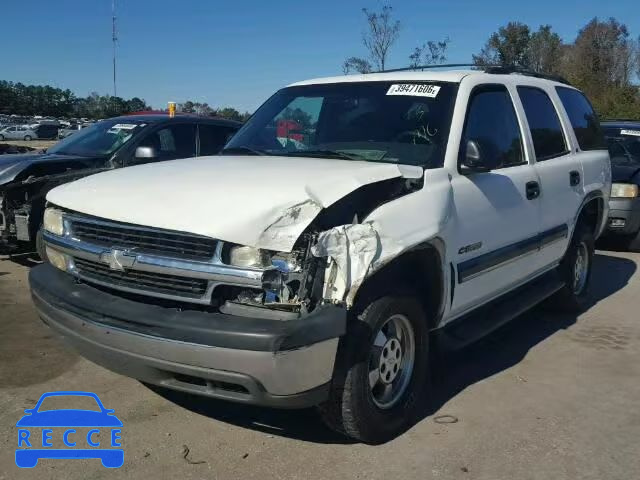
x: 493, y: 125
x: 583, y: 119
x: 546, y: 131
x: 213, y: 138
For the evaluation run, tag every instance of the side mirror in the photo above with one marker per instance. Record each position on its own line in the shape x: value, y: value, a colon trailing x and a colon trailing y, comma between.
x: 472, y: 160
x: 145, y: 152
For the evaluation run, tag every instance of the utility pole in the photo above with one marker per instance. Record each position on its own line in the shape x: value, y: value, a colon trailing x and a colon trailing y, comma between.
x: 114, y: 38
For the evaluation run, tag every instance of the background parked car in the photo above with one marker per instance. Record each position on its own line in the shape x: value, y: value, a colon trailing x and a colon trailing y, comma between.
x: 46, y: 131
x: 20, y: 132
x: 114, y: 143
x: 623, y: 139
x: 70, y: 130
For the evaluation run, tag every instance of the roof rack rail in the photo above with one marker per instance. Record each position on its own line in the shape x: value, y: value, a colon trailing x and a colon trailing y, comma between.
x: 494, y: 69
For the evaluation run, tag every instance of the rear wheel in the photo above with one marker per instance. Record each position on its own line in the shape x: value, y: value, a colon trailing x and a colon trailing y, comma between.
x: 575, y: 270
x: 381, y: 376
x: 27, y: 138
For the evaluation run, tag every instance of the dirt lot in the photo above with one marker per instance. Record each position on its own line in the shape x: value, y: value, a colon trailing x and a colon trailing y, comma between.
x: 547, y: 397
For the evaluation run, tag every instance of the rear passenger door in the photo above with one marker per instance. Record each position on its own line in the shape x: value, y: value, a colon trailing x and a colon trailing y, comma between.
x: 559, y: 170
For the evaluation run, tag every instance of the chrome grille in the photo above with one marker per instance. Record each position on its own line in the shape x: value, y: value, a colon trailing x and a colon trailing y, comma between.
x: 144, y: 240
x: 141, y: 281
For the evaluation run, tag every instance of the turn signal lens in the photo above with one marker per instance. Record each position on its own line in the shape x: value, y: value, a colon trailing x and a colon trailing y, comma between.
x: 56, y: 258
x: 624, y: 190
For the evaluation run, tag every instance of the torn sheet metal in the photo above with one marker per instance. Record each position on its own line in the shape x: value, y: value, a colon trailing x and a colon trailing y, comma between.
x: 354, y: 250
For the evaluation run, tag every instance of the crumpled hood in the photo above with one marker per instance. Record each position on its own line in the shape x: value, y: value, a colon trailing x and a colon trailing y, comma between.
x: 261, y: 201
x: 13, y: 164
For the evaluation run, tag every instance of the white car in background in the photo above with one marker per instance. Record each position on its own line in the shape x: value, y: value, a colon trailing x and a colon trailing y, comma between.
x: 19, y: 132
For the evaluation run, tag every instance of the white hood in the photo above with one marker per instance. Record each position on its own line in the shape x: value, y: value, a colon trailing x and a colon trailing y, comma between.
x: 261, y: 201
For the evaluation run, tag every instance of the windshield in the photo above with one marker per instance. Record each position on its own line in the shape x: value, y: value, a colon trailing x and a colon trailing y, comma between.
x: 102, y: 138
x: 372, y: 121
x: 624, y: 150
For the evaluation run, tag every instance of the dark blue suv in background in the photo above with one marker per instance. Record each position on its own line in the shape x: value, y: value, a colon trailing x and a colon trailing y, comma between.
x: 623, y: 139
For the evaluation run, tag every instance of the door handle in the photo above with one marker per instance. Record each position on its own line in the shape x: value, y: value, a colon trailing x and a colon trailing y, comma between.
x: 574, y: 178
x: 533, y: 190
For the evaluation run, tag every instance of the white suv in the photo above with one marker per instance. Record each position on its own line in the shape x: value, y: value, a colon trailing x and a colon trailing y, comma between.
x: 353, y: 224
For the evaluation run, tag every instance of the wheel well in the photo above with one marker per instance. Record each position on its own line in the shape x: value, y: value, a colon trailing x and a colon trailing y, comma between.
x: 418, y: 272
x: 591, y: 214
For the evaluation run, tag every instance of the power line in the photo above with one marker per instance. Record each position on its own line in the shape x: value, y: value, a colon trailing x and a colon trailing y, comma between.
x: 114, y: 39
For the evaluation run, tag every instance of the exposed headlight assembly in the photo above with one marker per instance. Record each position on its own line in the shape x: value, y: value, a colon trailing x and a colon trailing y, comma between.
x: 243, y: 256
x: 624, y: 190
x: 53, y: 221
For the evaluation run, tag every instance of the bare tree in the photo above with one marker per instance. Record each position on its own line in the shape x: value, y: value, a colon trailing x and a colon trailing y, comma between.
x: 430, y: 53
x: 382, y: 33
x: 544, y: 53
x: 355, y: 64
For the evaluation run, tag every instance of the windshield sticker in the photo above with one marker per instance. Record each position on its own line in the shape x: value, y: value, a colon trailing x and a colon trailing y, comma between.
x: 633, y: 133
x: 414, y: 90
x: 125, y: 126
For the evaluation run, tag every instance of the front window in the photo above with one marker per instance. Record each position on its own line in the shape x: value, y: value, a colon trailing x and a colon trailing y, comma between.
x: 391, y: 122
x: 102, y: 138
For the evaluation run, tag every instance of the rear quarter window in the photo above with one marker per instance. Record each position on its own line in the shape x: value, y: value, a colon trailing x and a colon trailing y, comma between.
x: 583, y: 119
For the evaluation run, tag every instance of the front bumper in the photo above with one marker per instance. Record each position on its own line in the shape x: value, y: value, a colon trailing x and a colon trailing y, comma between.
x: 279, y: 363
x: 624, y: 216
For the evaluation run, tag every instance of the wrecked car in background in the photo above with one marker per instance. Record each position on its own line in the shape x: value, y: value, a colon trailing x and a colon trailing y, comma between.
x: 25, y: 180
x: 349, y: 224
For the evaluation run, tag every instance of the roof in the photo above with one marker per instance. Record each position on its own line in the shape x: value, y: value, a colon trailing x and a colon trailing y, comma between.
x: 446, y: 76
x: 454, y: 76
x: 159, y: 117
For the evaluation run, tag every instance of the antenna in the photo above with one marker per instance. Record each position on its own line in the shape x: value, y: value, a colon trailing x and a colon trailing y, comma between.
x: 114, y: 39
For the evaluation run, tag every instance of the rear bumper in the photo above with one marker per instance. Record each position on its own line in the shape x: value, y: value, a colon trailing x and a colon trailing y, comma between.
x: 624, y: 216
x: 275, y: 363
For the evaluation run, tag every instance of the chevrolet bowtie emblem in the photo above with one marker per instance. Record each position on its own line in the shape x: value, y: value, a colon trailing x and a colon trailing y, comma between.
x: 118, y: 259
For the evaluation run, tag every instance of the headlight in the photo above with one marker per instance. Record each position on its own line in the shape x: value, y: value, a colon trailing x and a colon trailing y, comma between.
x: 53, y: 221
x: 242, y: 256
x: 624, y: 190
x: 56, y: 258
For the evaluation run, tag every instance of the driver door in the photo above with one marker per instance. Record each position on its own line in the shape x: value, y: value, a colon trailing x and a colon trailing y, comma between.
x: 498, y: 212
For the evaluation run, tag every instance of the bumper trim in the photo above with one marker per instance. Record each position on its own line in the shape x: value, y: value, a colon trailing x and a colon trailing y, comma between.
x: 287, y: 379
x: 63, y: 292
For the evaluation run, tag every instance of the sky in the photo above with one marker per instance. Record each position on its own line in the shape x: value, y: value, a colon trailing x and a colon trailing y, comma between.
x: 237, y: 53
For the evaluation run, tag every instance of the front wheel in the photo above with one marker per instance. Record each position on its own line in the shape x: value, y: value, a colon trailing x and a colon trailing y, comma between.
x: 575, y: 270
x: 1, y: 137
x: 381, y: 376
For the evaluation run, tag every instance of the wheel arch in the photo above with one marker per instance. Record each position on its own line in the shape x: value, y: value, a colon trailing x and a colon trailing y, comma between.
x: 419, y: 270
x: 592, y: 212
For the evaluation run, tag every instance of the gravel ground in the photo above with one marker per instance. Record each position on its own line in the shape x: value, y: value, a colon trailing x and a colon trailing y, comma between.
x: 547, y: 397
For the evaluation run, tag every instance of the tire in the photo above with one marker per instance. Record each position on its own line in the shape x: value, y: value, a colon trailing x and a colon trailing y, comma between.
x: 1, y: 137
x: 42, y: 253
x: 574, y: 297
x: 364, y: 413
x: 27, y: 138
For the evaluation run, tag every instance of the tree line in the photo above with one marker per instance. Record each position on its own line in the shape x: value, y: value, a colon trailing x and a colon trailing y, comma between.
x: 603, y: 60
x: 28, y: 100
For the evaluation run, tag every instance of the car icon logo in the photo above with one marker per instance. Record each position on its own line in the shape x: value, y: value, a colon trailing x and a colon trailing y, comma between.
x: 85, y: 433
